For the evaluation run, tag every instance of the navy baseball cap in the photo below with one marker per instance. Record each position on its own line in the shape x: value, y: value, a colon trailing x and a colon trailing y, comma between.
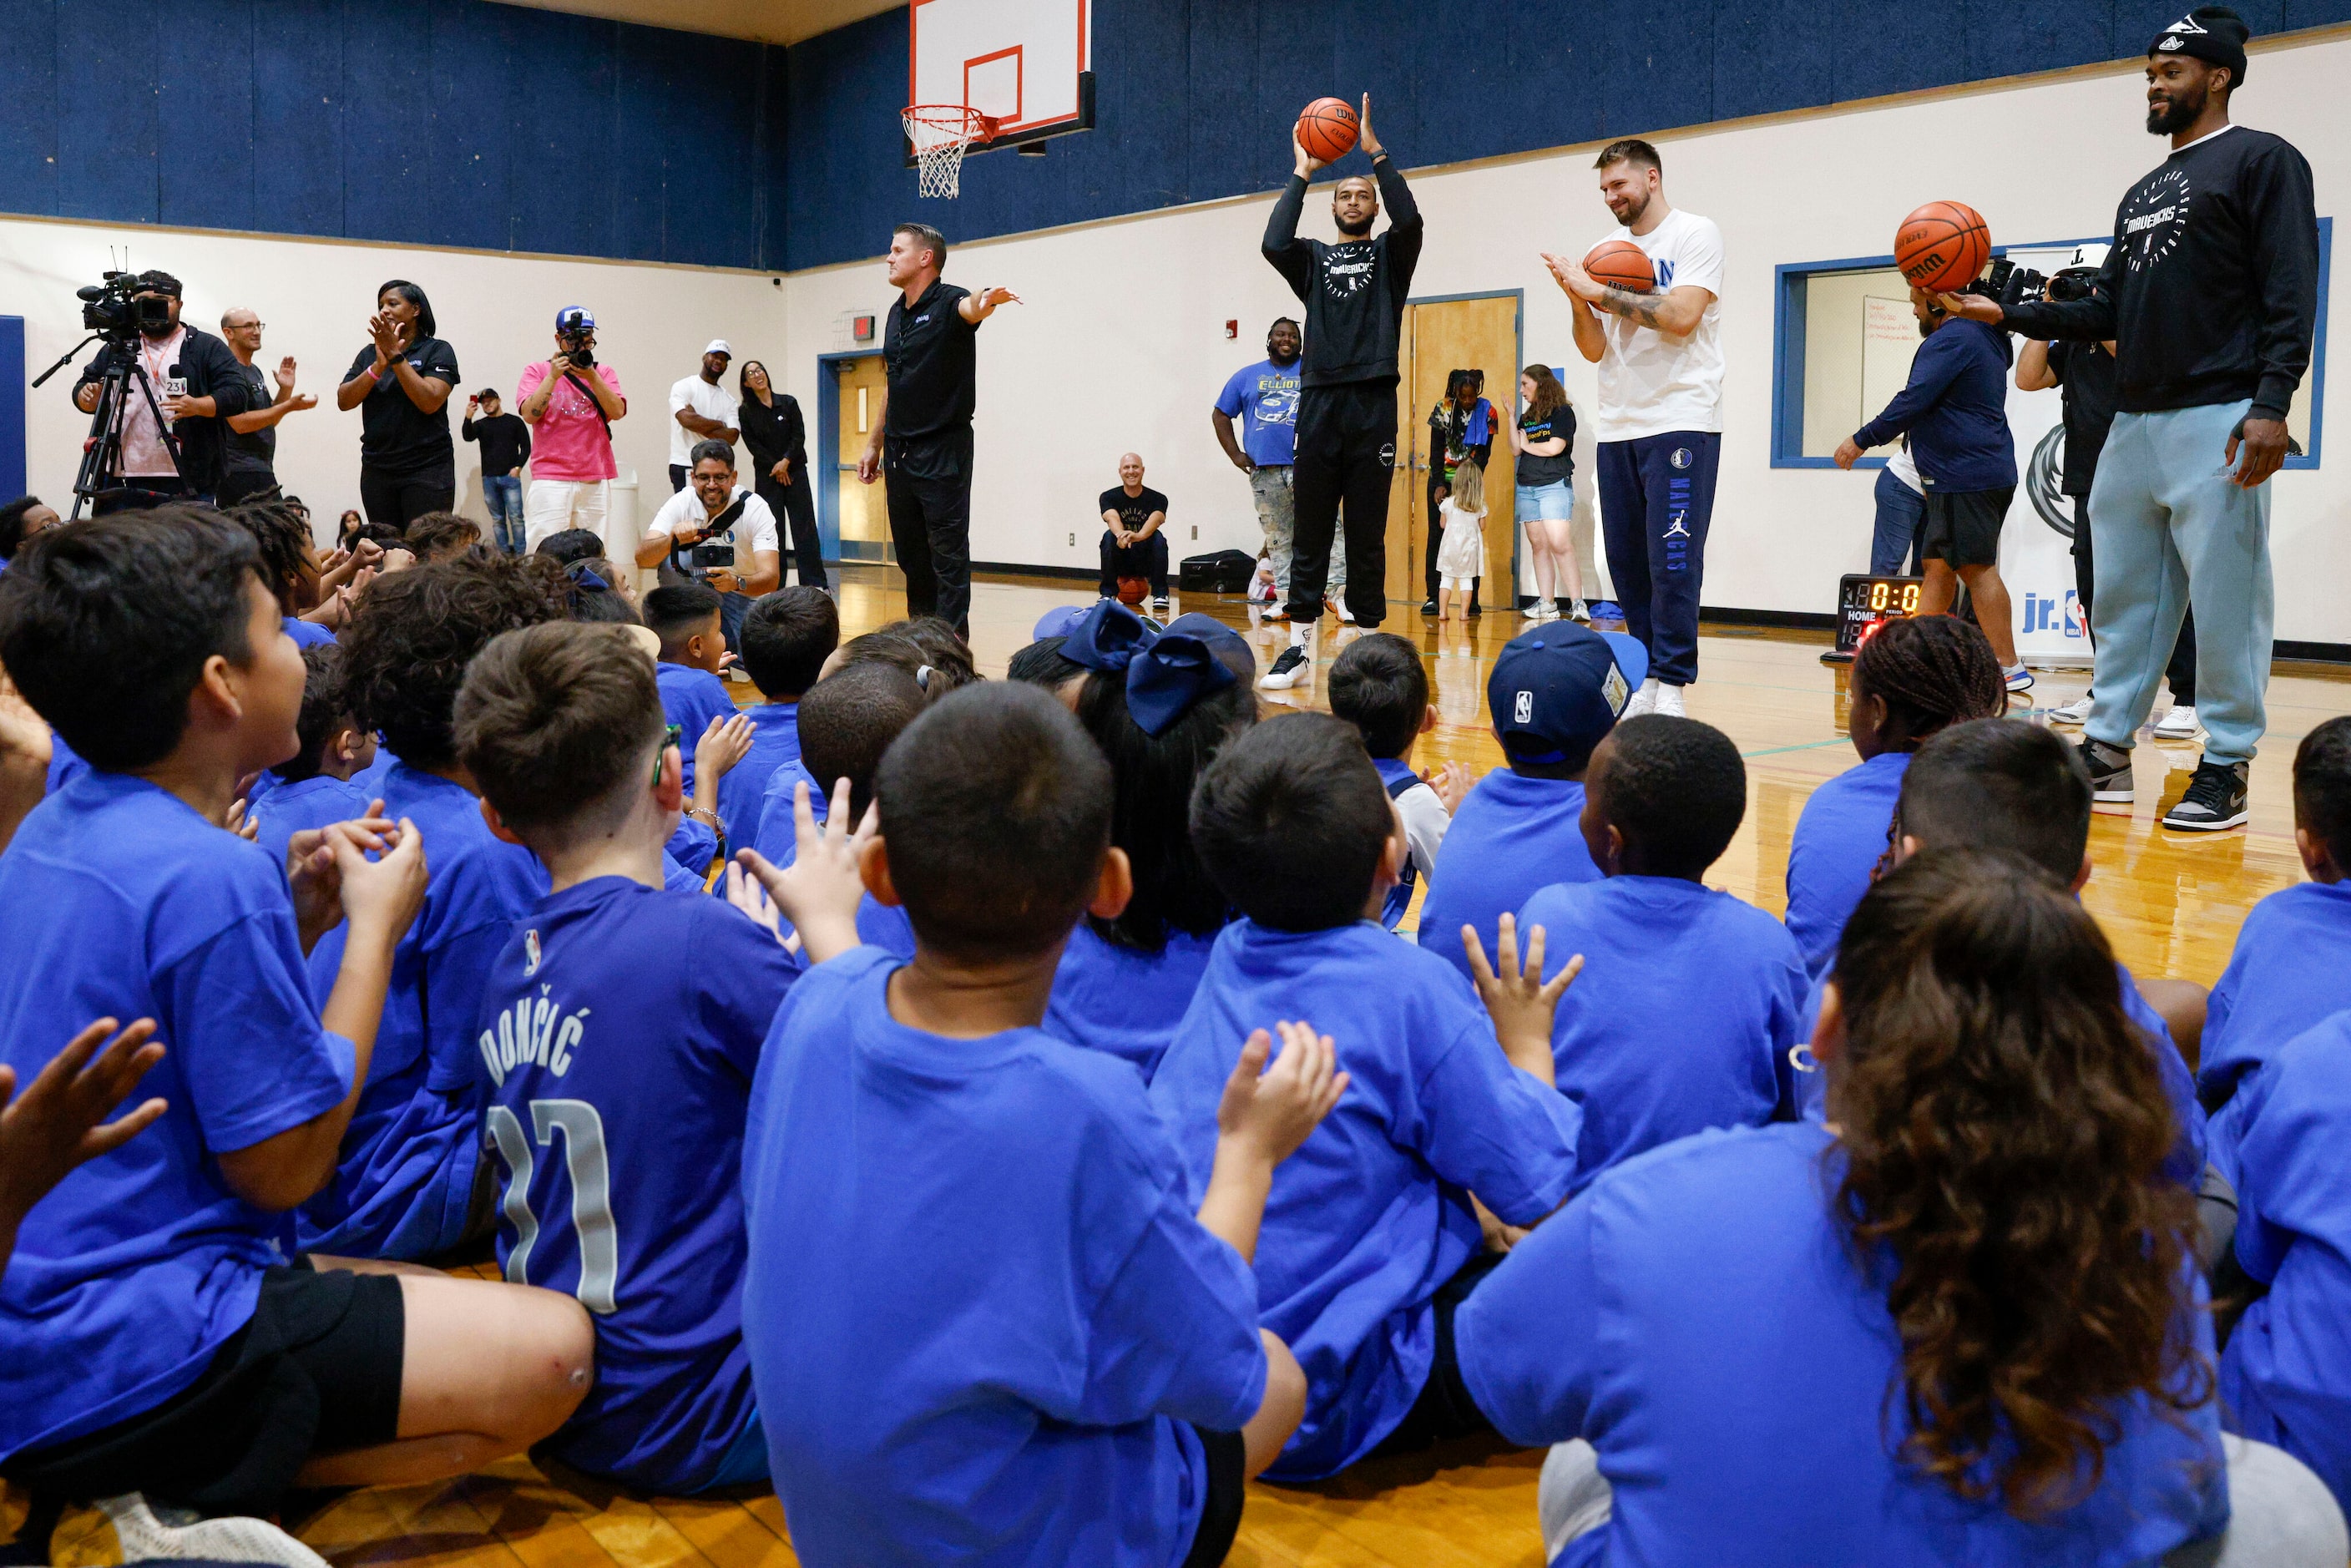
x: 1057, y: 621
x: 1557, y: 690
x: 574, y: 319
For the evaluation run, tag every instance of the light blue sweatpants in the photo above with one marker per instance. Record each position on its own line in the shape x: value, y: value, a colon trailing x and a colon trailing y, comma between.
x: 2170, y: 529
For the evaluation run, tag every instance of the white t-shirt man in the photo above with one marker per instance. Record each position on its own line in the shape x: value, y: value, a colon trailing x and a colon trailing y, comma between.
x: 711, y: 400
x: 753, y: 531
x: 1650, y: 381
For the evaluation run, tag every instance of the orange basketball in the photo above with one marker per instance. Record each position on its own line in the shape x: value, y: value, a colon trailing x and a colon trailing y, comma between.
x: 1943, y: 247
x: 1622, y: 264
x: 1131, y: 590
x: 1327, y: 129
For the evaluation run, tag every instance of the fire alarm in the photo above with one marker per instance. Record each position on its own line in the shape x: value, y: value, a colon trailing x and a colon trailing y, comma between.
x: 861, y: 328
x: 1232, y: 328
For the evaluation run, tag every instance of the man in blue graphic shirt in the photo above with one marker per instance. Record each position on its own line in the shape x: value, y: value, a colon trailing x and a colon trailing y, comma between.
x: 1264, y: 397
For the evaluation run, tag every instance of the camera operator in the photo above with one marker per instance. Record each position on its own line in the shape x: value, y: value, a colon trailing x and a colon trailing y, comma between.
x: 401, y: 383
x: 2209, y: 295
x: 705, y: 532
x: 569, y: 402
x: 2086, y: 371
x: 249, y: 456
x: 188, y: 368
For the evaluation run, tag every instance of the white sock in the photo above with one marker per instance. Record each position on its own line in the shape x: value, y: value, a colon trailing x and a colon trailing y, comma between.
x: 1649, y: 688
x: 1298, y: 634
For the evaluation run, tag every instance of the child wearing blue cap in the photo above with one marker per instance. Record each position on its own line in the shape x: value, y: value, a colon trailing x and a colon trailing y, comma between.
x: 1370, y: 1240
x: 1161, y: 706
x: 1690, y: 998
x: 1555, y: 693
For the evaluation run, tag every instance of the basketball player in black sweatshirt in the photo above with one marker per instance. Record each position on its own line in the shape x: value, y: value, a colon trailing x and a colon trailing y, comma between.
x: 1353, y: 293
x: 2211, y: 297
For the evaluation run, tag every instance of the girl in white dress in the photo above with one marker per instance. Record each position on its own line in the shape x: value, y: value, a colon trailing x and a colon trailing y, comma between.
x: 1460, y: 557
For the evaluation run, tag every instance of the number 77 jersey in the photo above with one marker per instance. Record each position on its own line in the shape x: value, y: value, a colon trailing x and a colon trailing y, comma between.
x: 620, y: 1028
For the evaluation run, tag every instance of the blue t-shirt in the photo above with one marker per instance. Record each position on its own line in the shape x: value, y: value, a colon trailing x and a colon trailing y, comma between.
x: 1511, y: 836
x: 2286, y: 1377
x: 119, y: 900
x: 636, y: 1208
x: 982, y: 1318
x: 691, y: 698
x: 1371, y: 1217
x: 2292, y: 969
x: 1699, y: 1317
x: 1682, y: 1019
x: 65, y: 765
x: 1839, y: 841
x: 742, y: 794
x: 1122, y: 999
x: 878, y: 923
x: 307, y: 633
x: 295, y: 807
x: 369, y: 780
x: 1267, y: 393
x: 407, y: 1161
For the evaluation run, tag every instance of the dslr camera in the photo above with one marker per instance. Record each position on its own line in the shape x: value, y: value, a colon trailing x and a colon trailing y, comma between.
x: 113, y: 308
x: 578, y: 347
x: 2014, y: 284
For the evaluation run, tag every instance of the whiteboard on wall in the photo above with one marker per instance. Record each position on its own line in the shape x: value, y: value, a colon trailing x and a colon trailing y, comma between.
x: 1889, y: 340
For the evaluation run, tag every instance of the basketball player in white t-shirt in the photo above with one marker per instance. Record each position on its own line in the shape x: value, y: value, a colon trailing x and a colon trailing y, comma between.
x: 1659, y: 420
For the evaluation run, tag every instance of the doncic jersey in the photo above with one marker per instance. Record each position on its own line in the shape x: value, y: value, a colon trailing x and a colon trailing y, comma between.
x: 617, y: 1119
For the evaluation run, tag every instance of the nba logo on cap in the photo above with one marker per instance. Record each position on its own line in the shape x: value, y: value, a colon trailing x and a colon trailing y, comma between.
x: 1523, y: 710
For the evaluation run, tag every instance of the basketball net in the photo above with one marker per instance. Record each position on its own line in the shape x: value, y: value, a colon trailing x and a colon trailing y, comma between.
x: 941, y: 133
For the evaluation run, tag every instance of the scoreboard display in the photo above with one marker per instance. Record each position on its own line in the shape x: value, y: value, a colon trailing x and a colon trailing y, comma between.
x: 1866, y: 603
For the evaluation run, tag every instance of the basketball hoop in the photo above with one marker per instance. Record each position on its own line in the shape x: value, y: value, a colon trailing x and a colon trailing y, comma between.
x: 941, y: 133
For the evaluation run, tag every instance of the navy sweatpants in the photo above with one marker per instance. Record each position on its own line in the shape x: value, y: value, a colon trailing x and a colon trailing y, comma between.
x: 1657, y: 497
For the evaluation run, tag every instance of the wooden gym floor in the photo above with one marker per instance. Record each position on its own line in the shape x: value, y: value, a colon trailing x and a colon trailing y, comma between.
x: 2170, y: 904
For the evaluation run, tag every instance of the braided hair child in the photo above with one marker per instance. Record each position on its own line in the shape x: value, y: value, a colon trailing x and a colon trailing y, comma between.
x: 1911, y: 679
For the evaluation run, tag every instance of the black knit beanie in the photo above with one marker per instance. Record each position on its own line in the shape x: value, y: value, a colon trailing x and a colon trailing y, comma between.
x: 2213, y: 34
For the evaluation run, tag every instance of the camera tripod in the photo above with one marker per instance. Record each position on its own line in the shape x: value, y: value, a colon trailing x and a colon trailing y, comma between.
x: 103, y: 449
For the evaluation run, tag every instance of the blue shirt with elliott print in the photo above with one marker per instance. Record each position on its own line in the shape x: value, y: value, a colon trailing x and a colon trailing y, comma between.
x: 1267, y: 393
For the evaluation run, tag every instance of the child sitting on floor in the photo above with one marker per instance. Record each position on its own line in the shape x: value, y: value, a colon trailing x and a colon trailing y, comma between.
x: 1912, y: 679
x: 786, y: 637
x: 160, y: 1344
x: 314, y: 786
x: 1371, y: 1238
x: 1161, y: 706
x: 1554, y: 695
x: 1379, y: 685
x: 1067, y: 1368
x: 645, y: 1069
x: 1690, y: 999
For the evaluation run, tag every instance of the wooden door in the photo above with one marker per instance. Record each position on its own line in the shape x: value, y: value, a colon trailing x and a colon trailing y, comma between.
x: 1440, y: 337
x: 865, y: 508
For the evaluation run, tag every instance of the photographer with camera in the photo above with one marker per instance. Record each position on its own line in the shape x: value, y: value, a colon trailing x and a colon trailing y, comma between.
x: 401, y: 383
x: 2209, y: 296
x: 705, y: 532
x: 569, y: 402
x: 505, y: 441
x: 188, y: 368
x: 249, y: 454
x: 2085, y: 373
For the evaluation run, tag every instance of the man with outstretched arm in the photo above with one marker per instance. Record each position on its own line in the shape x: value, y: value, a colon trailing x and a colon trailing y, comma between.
x: 1355, y: 295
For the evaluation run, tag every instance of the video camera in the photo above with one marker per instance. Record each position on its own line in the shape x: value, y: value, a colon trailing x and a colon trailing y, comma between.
x: 114, y: 310
x: 2014, y: 284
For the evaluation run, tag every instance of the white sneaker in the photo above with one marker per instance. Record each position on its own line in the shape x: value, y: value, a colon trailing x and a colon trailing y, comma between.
x: 2019, y: 679
x: 1669, y: 701
x: 1295, y: 665
x: 1542, y: 609
x: 1159, y: 605
x: 1345, y: 614
x: 2180, y: 723
x: 181, y: 1535
x: 1642, y: 701
x: 2075, y: 712
x: 1580, y: 612
x: 1273, y: 612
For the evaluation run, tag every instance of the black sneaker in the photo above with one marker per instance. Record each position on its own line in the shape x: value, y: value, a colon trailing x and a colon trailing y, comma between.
x: 2110, y: 773
x: 1159, y: 605
x: 1428, y: 607
x: 1293, y: 667
x: 2215, y: 799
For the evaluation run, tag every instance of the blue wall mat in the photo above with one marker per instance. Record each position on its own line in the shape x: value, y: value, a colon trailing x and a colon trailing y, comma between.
x: 12, y: 407
x: 494, y: 126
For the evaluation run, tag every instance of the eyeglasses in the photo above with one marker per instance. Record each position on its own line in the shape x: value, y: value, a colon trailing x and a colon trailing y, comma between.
x: 670, y: 737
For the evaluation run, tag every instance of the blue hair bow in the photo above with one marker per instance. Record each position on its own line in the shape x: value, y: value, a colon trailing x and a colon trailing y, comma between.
x: 1167, y: 671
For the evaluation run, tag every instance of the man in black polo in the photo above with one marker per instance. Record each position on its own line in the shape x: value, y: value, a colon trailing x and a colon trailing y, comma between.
x: 1355, y: 296
x: 923, y: 437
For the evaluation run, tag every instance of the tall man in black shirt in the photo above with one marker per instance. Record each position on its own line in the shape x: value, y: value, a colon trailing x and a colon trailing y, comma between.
x: 1355, y: 295
x: 923, y: 438
x: 2210, y: 298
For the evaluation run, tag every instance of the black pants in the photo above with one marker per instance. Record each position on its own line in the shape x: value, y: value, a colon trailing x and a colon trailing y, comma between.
x: 240, y: 485
x: 930, y: 523
x: 1148, y: 559
x: 2181, y: 672
x: 678, y: 475
x: 1445, y: 1410
x: 795, y: 508
x: 396, y: 500
x: 1346, y: 453
x: 1437, y: 535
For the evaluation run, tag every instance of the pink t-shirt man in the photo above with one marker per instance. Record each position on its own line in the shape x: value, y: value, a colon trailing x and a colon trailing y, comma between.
x: 569, y: 442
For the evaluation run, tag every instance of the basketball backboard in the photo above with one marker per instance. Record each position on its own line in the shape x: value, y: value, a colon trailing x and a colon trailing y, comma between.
x: 1026, y: 64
